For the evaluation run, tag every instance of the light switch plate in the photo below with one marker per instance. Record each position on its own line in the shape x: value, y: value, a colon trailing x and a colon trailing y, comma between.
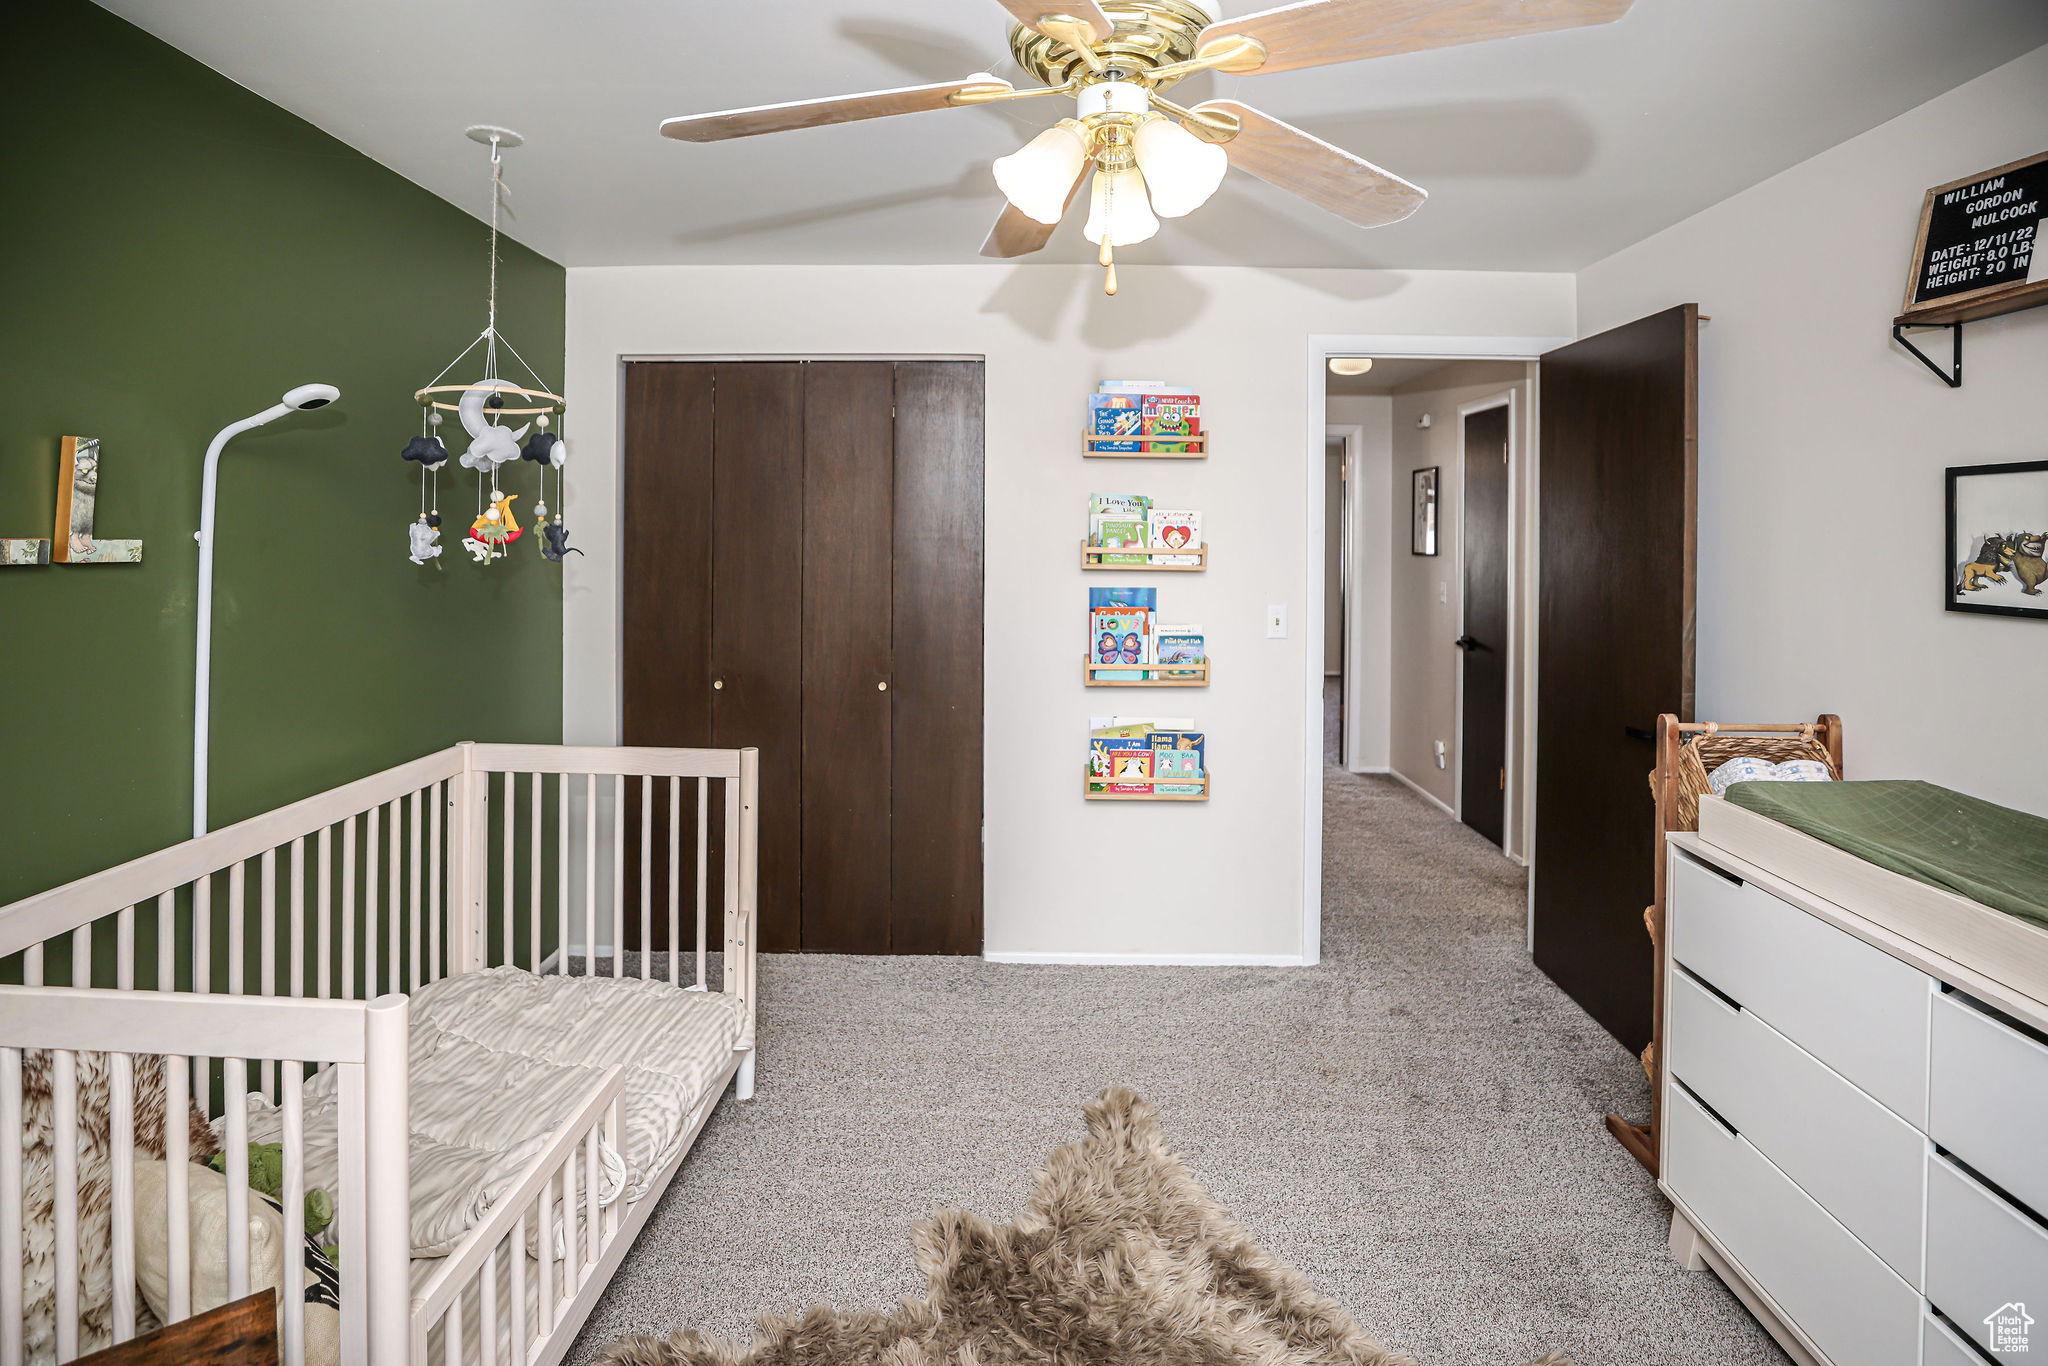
x: 1276, y: 620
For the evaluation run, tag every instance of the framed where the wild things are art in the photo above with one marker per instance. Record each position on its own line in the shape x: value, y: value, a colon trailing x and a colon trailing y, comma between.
x: 1998, y: 539
x: 1423, y: 536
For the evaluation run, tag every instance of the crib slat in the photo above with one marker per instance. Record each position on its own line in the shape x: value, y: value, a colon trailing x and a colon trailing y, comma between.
x: 323, y: 915
x: 591, y: 1222
x: 675, y: 879
x: 487, y: 1310
x: 292, y: 1196
x: 511, y: 865
x: 451, y: 1334
x: 370, y: 927
x: 64, y: 1189
x: 434, y: 880
x: 615, y: 1135
x: 266, y: 940
x: 396, y: 938
x: 703, y: 867
x: 352, y: 1194
x: 121, y: 1174
x: 517, y: 1254
x: 297, y: 966
x: 533, y: 954
x: 347, y: 991
x: 178, y: 1214
x: 561, y: 880
x: 646, y: 876
x: 618, y: 874
x: 590, y: 875
x: 81, y: 956
x: 32, y: 965
x: 413, y: 975
x: 544, y: 1244
x: 236, y: 1156
x: 10, y: 1208
x: 167, y: 941
x: 124, y: 949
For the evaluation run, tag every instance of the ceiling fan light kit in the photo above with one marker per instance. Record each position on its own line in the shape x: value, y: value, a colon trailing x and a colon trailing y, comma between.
x: 1152, y: 158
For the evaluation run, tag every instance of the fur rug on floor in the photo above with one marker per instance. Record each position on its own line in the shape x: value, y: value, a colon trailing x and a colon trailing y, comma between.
x: 1121, y: 1258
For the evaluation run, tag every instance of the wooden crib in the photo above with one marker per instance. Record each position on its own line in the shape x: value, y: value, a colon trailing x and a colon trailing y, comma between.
x: 260, y: 989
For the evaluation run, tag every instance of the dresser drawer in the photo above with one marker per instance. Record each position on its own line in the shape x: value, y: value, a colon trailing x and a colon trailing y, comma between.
x: 1858, y: 1009
x: 1982, y: 1254
x: 1939, y: 1346
x: 1859, y: 1160
x: 1987, y: 1100
x: 1834, y: 1288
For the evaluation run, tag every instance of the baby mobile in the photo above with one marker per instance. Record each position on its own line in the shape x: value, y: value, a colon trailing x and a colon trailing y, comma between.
x: 483, y: 407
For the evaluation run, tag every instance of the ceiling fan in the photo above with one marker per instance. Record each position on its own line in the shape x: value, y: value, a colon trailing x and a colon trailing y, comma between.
x: 1152, y: 158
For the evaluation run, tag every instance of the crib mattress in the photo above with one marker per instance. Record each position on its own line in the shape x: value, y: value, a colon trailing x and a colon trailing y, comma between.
x: 499, y: 1061
x: 1974, y: 848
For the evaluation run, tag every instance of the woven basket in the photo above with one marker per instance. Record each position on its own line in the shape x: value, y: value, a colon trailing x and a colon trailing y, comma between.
x: 1707, y: 751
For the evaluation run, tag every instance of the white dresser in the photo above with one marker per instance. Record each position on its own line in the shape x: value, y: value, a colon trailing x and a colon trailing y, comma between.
x: 1855, y: 1126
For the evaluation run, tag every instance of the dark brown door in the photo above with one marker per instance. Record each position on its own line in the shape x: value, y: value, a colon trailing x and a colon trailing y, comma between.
x: 847, y: 559
x: 1483, y: 544
x: 935, y: 906
x: 1617, y: 501
x: 803, y: 573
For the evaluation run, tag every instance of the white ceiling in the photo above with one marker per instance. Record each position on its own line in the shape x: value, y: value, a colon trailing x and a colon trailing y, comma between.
x: 1540, y: 153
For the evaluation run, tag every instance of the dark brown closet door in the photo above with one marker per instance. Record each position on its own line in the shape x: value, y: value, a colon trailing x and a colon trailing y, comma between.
x: 935, y: 836
x: 757, y: 553
x: 847, y: 552
x: 1483, y: 547
x: 1617, y: 499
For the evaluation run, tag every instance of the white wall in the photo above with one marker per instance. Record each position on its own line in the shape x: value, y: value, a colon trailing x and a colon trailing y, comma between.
x: 1230, y: 873
x: 1822, y: 446
x: 1366, y: 676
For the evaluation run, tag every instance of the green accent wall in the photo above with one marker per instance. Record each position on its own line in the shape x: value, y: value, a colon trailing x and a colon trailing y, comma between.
x: 175, y: 253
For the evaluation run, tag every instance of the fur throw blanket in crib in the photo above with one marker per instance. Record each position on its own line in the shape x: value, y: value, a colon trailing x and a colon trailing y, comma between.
x: 95, y: 1193
x: 1121, y: 1257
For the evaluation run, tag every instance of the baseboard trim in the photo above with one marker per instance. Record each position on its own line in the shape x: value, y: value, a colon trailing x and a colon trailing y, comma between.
x: 1418, y: 790
x: 1371, y: 770
x: 1151, y: 960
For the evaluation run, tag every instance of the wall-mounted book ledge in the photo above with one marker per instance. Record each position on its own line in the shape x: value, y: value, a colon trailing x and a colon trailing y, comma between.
x: 1092, y: 789
x: 1092, y: 557
x: 1147, y: 447
x: 1195, y: 675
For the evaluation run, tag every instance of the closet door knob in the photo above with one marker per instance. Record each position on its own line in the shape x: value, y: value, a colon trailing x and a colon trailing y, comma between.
x: 883, y: 686
x: 717, y: 685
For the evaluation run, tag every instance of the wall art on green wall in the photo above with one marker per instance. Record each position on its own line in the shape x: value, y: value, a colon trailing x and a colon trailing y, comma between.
x: 78, y: 483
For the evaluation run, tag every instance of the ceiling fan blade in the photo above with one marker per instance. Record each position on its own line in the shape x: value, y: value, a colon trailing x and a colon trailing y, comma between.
x: 1326, y: 176
x: 1017, y: 233
x: 1321, y: 32
x: 777, y: 118
x: 1059, y: 19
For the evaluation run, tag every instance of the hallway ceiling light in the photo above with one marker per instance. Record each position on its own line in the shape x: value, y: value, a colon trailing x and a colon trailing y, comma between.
x: 1350, y: 365
x: 1152, y: 158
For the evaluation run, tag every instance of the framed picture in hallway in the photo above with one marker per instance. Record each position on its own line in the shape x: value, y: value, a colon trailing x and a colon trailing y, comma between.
x: 1424, y: 535
x: 1997, y: 539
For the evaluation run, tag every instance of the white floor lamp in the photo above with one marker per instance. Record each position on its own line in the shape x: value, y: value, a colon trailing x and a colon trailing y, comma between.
x: 305, y: 397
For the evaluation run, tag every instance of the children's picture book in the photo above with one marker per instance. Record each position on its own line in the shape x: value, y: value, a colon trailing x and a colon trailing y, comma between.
x: 1179, y: 645
x: 1182, y: 740
x: 1120, y: 629
x: 1116, y: 757
x: 1176, y: 773
x: 1142, y: 386
x: 1174, y: 529
x: 1115, y: 535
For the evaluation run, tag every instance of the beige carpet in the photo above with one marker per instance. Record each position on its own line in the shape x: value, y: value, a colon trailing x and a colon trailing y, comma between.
x: 1120, y: 1257
x: 1414, y: 1123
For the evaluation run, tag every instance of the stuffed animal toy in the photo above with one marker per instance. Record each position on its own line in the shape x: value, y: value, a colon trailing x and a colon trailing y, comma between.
x: 422, y: 538
x: 556, y: 538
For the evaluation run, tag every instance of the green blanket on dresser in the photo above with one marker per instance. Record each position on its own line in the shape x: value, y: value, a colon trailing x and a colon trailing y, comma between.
x: 1964, y: 845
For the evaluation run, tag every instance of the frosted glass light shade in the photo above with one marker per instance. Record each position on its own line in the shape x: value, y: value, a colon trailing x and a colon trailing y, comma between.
x: 1117, y: 208
x: 1181, y: 169
x: 1037, y: 176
